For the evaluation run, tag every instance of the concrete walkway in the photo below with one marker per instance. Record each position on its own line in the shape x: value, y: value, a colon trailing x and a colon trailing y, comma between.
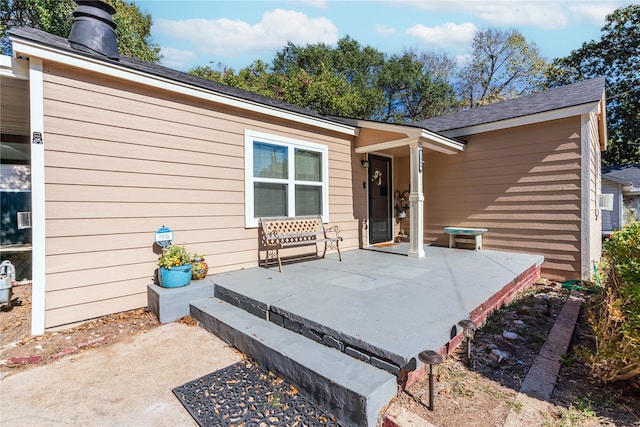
x: 126, y: 384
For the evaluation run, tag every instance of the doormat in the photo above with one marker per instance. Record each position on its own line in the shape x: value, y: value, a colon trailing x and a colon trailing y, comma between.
x: 244, y: 394
x: 384, y: 245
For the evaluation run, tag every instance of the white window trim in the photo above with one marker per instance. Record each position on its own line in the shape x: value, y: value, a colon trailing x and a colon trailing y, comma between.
x: 249, y: 138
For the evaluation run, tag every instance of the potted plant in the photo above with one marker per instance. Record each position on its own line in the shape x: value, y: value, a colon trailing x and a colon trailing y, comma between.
x: 199, y: 267
x: 175, y: 267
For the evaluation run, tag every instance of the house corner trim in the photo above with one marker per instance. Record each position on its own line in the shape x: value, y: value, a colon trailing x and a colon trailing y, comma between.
x: 585, y: 200
x: 36, y: 115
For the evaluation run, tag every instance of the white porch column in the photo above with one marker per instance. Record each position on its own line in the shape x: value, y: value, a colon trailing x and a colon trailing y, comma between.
x: 416, y: 203
x: 38, y: 278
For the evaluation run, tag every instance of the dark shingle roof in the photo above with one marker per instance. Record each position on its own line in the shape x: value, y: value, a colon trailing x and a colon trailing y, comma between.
x: 580, y: 93
x: 60, y: 43
x: 623, y: 173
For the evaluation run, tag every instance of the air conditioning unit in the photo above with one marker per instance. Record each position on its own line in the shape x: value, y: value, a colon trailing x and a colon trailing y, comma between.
x: 605, y: 202
x: 24, y: 220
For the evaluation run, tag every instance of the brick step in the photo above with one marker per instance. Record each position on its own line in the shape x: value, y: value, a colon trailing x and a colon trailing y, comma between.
x: 353, y: 391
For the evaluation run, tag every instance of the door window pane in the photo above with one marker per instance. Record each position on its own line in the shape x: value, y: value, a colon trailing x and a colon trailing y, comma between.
x: 308, y: 200
x: 269, y: 161
x: 308, y: 165
x: 269, y: 199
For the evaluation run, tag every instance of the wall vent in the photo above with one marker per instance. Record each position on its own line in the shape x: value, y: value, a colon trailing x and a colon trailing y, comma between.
x: 24, y: 220
x: 605, y: 202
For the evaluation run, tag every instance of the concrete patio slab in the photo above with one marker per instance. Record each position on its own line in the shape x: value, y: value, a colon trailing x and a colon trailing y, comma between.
x: 388, y: 305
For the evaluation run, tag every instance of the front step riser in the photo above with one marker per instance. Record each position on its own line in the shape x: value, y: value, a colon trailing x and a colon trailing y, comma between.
x: 349, y: 407
x: 265, y: 312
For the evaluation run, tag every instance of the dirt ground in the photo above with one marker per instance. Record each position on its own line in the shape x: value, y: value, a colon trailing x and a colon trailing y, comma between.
x: 484, y: 393
x: 19, y: 350
x: 478, y: 395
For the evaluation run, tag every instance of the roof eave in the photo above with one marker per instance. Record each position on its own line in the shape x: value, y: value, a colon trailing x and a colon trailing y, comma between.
x: 561, y: 113
x: 14, y: 67
x: 602, y: 122
x: 28, y: 48
x: 428, y: 138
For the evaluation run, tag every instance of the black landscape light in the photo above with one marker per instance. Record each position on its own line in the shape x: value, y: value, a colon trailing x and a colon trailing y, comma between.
x: 468, y: 330
x: 431, y: 358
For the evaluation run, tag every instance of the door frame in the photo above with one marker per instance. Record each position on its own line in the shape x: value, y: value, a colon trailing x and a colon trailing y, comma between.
x: 389, y: 159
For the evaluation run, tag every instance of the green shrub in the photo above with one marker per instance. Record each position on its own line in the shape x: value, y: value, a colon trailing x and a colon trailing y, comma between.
x: 615, y: 311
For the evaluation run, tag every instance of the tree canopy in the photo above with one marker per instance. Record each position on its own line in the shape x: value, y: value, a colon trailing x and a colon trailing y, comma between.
x: 617, y: 57
x: 503, y: 66
x: 413, y: 91
x: 55, y: 17
x: 349, y: 80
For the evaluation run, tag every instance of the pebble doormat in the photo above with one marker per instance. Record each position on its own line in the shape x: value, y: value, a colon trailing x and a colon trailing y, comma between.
x: 244, y: 394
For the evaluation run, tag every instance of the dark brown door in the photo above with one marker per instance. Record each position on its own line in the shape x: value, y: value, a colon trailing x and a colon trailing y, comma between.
x: 380, y: 200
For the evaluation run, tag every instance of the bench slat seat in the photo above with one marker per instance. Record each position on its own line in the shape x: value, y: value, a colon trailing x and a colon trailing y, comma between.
x: 465, y: 231
x: 283, y: 232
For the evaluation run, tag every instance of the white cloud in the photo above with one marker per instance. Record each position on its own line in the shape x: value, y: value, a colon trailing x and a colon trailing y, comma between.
x: 384, y: 30
x: 547, y: 14
x: 540, y: 14
x: 176, y: 58
x: 593, y: 12
x: 449, y: 35
x: 320, y: 4
x: 226, y: 37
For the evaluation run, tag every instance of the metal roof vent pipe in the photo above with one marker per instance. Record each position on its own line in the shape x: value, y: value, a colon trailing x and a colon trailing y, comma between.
x: 93, y: 29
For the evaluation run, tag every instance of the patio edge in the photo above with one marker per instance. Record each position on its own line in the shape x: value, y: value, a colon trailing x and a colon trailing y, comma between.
x: 522, y: 282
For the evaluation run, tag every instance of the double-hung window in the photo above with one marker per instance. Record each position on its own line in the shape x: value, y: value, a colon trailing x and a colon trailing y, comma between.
x: 284, y: 177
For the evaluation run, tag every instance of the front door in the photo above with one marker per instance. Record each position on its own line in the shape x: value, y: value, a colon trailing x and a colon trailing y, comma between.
x: 380, y: 200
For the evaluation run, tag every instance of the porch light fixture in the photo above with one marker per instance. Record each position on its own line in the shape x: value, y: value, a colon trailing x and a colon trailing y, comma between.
x: 468, y: 330
x: 364, y: 163
x: 431, y: 358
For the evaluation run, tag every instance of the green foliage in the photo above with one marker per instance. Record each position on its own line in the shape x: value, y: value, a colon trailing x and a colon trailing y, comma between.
x: 504, y: 66
x: 133, y: 30
x: 615, y: 312
x: 52, y: 16
x: 566, y: 360
x: 55, y: 17
x: 578, y: 413
x: 624, y: 248
x: 349, y: 62
x: 617, y: 57
x: 349, y: 80
x: 173, y: 256
x: 411, y: 91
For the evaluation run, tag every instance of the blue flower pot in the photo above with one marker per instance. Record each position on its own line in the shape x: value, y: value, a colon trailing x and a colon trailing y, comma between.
x: 175, y: 277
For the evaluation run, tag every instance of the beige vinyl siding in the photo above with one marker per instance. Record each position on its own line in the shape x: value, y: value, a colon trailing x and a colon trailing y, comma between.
x: 523, y: 184
x: 123, y: 160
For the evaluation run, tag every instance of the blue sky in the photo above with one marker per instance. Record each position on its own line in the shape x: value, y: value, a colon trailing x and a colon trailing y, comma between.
x: 235, y: 33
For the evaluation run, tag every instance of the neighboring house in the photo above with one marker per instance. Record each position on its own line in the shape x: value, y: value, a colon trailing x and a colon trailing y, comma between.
x: 120, y: 148
x: 622, y: 183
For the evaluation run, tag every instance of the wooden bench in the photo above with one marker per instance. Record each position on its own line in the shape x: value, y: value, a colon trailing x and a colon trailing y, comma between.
x: 462, y: 231
x: 289, y: 232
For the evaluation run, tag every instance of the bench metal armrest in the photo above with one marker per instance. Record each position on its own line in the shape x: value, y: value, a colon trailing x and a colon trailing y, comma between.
x: 335, y: 229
